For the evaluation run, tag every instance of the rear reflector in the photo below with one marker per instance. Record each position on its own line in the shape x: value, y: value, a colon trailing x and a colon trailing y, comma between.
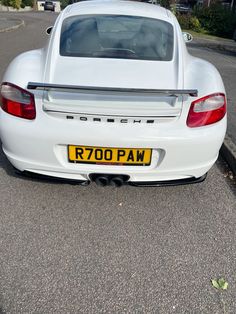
x: 207, y: 110
x: 17, y: 101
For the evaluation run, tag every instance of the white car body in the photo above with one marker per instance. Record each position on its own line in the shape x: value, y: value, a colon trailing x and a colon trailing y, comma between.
x: 113, y: 119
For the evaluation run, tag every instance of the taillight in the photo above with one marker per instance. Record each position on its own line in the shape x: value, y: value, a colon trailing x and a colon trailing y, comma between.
x: 17, y: 101
x: 207, y: 110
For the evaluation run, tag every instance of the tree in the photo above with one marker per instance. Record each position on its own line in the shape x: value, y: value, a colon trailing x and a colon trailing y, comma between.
x: 12, y: 3
x: 15, y: 3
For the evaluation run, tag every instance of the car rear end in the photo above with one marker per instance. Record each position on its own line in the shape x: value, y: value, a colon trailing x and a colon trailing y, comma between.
x: 49, y: 6
x: 111, y: 109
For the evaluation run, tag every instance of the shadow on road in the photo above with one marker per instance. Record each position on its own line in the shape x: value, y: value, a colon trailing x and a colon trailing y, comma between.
x: 5, y: 165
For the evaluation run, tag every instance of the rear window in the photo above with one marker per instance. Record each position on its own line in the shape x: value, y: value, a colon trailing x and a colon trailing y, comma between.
x: 116, y: 36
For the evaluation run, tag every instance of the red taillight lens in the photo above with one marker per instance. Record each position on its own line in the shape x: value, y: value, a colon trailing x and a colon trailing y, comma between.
x: 17, y: 101
x: 207, y: 110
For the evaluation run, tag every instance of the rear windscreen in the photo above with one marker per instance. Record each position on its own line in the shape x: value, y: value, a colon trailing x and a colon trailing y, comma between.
x: 116, y: 36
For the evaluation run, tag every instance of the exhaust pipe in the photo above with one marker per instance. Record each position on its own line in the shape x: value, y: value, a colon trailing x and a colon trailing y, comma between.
x: 117, y: 181
x: 102, y: 181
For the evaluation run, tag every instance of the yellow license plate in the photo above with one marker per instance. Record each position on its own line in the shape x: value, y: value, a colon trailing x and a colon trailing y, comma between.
x: 109, y: 156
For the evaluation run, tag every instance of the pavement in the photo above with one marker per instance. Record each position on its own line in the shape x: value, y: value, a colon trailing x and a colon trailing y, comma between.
x: 228, y: 149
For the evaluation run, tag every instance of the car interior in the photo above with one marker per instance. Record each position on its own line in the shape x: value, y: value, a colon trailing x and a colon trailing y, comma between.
x: 92, y: 37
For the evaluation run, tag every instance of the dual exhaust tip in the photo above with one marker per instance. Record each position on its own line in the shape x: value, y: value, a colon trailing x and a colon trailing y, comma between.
x: 109, y: 179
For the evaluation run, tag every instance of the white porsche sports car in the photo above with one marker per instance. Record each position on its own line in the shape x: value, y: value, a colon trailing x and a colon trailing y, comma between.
x: 113, y: 98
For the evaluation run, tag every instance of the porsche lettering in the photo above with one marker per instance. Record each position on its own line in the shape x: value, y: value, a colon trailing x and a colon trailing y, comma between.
x: 112, y: 120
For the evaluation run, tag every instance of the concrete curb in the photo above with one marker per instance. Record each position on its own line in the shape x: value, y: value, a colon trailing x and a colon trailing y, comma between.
x: 228, y: 152
x: 216, y: 46
x: 7, y: 29
x: 223, y: 47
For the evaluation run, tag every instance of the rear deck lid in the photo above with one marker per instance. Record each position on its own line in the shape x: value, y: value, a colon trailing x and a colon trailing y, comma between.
x: 126, y: 75
x: 120, y: 52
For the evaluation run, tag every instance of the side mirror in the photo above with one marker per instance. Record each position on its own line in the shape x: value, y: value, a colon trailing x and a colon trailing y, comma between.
x: 187, y: 37
x: 49, y: 30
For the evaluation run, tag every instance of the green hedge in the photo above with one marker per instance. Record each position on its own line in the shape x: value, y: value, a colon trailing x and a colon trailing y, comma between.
x: 17, y: 3
x: 28, y: 3
x: 12, y: 3
x: 216, y: 19
x: 187, y: 21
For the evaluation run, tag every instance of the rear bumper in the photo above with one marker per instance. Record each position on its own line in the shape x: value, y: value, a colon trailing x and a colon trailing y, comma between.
x: 179, y: 153
x: 170, y: 183
x: 135, y: 184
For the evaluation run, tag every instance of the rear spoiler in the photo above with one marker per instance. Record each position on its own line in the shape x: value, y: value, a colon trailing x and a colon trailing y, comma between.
x: 169, y: 92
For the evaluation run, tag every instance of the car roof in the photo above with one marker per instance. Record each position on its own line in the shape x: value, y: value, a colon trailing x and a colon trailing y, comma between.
x: 117, y: 7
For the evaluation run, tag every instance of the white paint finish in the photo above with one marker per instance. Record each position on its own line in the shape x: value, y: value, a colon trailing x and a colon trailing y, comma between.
x: 27, y: 66
x: 113, y: 72
x: 116, y: 7
x: 180, y: 152
x: 186, y: 151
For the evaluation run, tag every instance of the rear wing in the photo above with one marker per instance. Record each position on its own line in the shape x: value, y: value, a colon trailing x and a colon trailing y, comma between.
x: 94, y: 89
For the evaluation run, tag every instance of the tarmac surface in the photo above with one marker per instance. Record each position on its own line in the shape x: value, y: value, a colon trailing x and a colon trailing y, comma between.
x: 73, y: 249
x: 9, y: 24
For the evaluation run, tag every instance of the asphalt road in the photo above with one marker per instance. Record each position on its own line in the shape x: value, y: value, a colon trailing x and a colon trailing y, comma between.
x: 72, y: 249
